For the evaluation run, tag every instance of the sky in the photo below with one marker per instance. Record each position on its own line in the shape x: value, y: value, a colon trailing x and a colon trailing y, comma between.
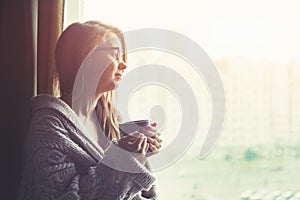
x: 258, y: 29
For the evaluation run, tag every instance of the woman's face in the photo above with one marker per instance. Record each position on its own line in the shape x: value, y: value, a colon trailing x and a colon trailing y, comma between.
x: 113, y: 73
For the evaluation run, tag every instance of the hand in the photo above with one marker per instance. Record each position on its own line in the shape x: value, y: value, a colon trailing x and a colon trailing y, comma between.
x: 153, y: 138
x: 135, y: 142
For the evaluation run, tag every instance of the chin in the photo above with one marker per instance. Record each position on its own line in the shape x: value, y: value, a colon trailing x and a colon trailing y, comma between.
x: 115, y: 86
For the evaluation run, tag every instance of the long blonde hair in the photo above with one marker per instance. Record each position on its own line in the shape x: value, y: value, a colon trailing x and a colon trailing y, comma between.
x: 73, y: 46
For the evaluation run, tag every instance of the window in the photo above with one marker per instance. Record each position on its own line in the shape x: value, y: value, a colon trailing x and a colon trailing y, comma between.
x: 257, y: 58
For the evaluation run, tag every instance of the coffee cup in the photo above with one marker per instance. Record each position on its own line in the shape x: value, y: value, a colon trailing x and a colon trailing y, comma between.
x: 132, y: 126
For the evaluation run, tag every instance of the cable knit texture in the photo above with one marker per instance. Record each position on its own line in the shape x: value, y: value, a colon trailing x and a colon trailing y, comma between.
x: 63, y: 164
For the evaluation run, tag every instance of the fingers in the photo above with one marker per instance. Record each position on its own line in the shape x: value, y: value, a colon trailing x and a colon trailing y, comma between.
x: 153, y: 136
x: 154, y: 124
x: 150, y: 128
x: 141, y: 155
x: 131, y: 142
x: 154, y: 142
x: 153, y: 149
x: 150, y: 131
x: 145, y: 146
x: 158, y: 139
x: 139, y: 144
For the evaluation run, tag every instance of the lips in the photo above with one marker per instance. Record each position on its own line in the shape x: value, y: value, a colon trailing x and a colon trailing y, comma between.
x: 118, y: 75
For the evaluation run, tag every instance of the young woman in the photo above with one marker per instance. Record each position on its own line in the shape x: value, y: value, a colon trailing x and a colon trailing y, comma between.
x: 75, y: 150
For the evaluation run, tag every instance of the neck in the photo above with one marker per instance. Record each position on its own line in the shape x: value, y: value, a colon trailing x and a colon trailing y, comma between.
x: 87, y: 114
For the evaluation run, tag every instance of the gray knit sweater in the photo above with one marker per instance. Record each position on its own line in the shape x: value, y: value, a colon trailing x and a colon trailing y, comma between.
x: 63, y: 164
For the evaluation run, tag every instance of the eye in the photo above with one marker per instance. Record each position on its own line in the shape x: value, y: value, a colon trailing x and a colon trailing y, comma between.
x: 117, y: 56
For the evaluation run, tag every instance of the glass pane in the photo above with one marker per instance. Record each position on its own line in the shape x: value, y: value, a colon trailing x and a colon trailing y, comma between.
x: 255, y: 46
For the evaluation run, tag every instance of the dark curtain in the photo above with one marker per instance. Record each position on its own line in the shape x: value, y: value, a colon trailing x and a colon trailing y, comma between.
x: 50, y: 25
x: 17, y: 69
x: 19, y: 20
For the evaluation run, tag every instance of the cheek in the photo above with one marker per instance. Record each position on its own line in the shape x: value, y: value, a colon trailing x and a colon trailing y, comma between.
x: 108, y: 74
x: 109, y: 70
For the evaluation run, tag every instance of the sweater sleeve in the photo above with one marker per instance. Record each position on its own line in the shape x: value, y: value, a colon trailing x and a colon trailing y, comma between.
x: 150, y: 194
x: 121, y: 182
x: 61, y: 169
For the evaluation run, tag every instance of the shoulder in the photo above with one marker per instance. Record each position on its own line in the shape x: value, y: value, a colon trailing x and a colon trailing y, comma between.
x: 51, y: 115
x: 47, y: 109
x: 46, y: 103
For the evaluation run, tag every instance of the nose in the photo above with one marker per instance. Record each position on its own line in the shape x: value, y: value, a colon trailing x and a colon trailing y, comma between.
x: 122, y: 66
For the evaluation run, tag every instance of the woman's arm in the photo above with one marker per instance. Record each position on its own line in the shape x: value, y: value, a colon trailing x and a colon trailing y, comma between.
x: 61, y: 169
x: 151, y: 194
